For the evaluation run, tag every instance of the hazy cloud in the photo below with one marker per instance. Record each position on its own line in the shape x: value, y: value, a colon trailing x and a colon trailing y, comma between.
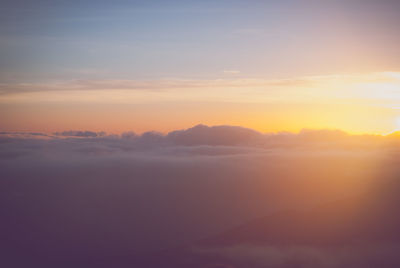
x: 322, y: 82
x: 215, y: 136
x: 358, y: 256
x: 81, y: 195
x: 86, y: 134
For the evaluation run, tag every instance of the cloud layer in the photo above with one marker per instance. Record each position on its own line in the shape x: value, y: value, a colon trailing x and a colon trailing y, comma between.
x: 79, y: 195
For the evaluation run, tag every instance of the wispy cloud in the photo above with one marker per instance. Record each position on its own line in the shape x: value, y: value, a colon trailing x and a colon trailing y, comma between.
x: 175, y: 83
x: 231, y: 72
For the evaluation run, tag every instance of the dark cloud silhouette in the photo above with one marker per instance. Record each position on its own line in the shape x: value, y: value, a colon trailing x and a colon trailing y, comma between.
x: 224, y: 136
x: 74, y: 133
x: 217, y: 135
x: 23, y: 134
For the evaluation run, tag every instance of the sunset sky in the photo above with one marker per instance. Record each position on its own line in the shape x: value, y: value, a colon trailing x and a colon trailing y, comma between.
x: 199, y: 134
x: 164, y: 65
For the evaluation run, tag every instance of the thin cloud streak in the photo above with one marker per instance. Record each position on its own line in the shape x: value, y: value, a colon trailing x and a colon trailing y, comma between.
x: 171, y: 84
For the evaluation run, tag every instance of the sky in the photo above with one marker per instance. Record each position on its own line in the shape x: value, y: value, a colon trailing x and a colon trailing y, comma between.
x: 214, y: 133
x: 165, y: 65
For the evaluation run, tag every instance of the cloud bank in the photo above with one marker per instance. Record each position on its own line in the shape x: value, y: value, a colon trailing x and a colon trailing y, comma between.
x: 69, y: 197
x: 224, y: 135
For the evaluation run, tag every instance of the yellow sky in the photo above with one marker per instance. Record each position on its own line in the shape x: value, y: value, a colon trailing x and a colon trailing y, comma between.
x: 357, y: 103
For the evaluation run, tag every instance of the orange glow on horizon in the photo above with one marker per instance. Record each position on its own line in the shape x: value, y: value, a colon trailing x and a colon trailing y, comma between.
x: 359, y: 103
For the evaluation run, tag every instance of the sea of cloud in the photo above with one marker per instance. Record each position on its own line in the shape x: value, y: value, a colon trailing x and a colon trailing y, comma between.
x: 123, y: 194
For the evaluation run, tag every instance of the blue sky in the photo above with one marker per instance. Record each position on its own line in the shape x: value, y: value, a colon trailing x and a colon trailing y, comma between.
x: 49, y: 40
